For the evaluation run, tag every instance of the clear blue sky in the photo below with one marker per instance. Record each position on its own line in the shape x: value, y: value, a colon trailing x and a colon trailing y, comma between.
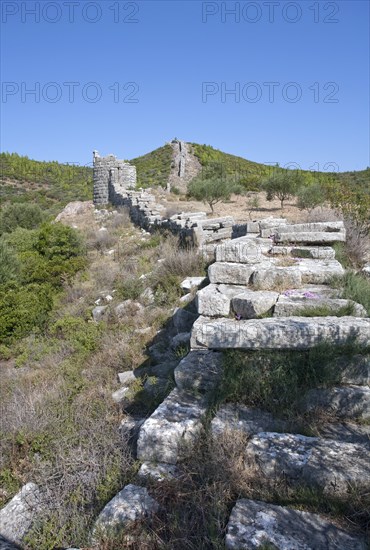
x: 170, y: 50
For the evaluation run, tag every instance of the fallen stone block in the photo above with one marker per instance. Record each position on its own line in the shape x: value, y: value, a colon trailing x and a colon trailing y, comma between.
x: 332, y: 466
x: 129, y: 505
x: 254, y: 524
x: 253, y: 303
x: 212, y: 303
x: 280, y: 278
x: 157, y: 472
x: 18, y: 515
x: 348, y: 402
x: 319, y: 271
x: 291, y: 305
x: 234, y: 273
x: 200, y: 371
x: 183, y: 319
x: 313, y: 252
x: 248, y: 250
x: 315, y: 227
x: 354, y: 370
x: 167, y: 435
x: 192, y: 282
x: 234, y: 417
x: 279, y: 332
x: 313, y: 238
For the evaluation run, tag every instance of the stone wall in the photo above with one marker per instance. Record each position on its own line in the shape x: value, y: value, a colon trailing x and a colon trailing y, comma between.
x: 112, y: 177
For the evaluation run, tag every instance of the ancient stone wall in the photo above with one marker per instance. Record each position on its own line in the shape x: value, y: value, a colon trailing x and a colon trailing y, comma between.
x: 112, y: 177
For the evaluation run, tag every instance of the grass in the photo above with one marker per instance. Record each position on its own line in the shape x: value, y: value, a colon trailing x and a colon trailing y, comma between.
x: 354, y: 287
x: 275, y: 380
x: 326, y: 311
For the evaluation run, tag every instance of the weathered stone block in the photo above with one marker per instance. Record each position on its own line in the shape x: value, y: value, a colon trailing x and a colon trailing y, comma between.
x: 254, y: 524
x: 129, y: 505
x: 278, y: 332
x: 20, y: 512
x: 233, y: 273
x: 167, y: 435
x: 246, y: 250
x: 200, y: 371
x: 334, y: 467
x: 279, y: 278
x: 212, y: 303
x: 291, y: 305
x: 251, y: 304
x: 348, y: 402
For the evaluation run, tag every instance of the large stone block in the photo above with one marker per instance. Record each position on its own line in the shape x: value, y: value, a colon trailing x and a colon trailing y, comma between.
x: 212, y: 303
x: 347, y: 402
x: 199, y: 370
x: 319, y: 271
x: 254, y: 524
x: 309, y: 238
x: 291, y: 305
x: 332, y: 466
x: 314, y: 252
x: 167, y: 435
x: 316, y: 227
x: 20, y: 512
x: 131, y: 504
x: 248, y: 250
x: 234, y: 273
x: 278, y: 332
x: 234, y: 417
x: 251, y: 304
x: 279, y: 278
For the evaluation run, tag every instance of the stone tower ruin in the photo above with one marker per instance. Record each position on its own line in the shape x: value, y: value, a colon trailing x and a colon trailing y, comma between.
x: 111, y: 177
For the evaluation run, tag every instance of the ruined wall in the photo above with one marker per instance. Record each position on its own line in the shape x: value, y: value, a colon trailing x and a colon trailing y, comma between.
x: 112, y: 177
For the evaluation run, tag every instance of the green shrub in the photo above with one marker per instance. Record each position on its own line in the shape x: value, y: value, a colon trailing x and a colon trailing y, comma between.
x: 82, y: 335
x: 56, y: 240
x: 21, y: 240
x: 28, y: 216
x: 23, y: 308
x: 9, y: 264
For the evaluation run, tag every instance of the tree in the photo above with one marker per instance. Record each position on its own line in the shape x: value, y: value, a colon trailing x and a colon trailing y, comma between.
x: 310, y: 197
x: 211, y: 191
x: 283, y: 185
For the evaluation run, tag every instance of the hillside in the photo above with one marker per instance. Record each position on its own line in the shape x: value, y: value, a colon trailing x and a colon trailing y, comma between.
x: 51, y: 185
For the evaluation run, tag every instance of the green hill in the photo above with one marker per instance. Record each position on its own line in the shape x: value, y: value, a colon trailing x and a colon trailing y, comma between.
x: 51, y: 185
x: 153, y: 169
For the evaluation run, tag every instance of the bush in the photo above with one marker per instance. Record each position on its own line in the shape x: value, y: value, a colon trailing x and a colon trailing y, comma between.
x: 56, y: 240
x: 9, y: 264
x: 28, y: 216
x: 23, y: 308
x: 82, y: 335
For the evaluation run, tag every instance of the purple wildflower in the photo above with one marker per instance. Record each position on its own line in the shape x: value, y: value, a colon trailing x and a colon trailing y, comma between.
x: 238, y: 316
x: 309, y: 294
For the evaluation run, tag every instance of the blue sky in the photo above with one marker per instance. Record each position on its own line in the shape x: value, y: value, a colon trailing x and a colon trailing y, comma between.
x: 144, y: 72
